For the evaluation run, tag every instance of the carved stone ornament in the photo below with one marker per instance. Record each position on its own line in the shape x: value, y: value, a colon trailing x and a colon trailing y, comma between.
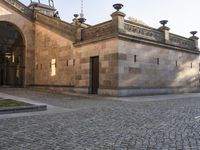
x: 118, y: 6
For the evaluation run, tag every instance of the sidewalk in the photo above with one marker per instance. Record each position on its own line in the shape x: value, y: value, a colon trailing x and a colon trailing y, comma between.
x: 156, y: 97
x: 50, y: 108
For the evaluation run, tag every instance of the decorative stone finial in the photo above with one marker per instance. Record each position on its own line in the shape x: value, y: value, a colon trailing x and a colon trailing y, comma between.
x: 195, y: 39
x: 164, y: 27
x: 193, y: 33
x: 76, y: 16
x: 163, y: 22
x: 118, y: 6
x: 75, y: 20
x: 81, y: 20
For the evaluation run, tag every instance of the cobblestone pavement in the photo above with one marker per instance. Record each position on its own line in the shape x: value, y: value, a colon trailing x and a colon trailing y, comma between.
x: 97, y: 123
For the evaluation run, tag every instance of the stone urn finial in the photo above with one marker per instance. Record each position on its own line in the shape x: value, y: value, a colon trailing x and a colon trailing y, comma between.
x: 195, y: 39
x: 118, y: 6
x: 163, y: 22
x: 76, y: 16
x: 164, y: 27
x: 81, y: 20
x: 193, y: 33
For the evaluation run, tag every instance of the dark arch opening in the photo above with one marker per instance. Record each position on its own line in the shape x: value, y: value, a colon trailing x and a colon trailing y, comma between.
x: 12, y: 53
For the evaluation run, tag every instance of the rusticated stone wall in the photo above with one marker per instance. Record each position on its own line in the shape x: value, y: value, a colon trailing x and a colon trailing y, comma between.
x: 133, y: 59
x: 145, y: 66
x: 107, y: 50
x: 54, y: 58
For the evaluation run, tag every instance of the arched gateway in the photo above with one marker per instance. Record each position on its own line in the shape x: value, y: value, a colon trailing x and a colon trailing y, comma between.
x: 12, y: 50
x: 17, y: 37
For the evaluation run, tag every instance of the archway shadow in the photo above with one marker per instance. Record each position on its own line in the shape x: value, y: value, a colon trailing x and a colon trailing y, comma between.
x: 12, y: 55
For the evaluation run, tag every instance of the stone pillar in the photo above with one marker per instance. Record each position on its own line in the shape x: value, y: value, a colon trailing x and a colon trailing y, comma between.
x: 195, y: 39
x: 75, y: 21
x: 165, y: 30
x: 79, y: 34
x: 118, y: 21
x: 79, y: 23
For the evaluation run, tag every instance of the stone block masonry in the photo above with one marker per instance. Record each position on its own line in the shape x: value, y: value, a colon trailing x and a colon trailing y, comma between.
x: 133, y: 59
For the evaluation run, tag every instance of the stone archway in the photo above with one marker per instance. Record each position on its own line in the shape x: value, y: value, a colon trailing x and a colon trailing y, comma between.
x: 12, y: 55
x: 15, y: 14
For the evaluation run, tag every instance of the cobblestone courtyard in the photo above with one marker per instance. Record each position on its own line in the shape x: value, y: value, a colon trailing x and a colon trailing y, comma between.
x: 167, y: 122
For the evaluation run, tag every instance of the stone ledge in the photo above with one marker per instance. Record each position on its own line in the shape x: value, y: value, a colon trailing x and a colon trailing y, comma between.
x: 20, y: 8
x: 59, y: 26
x: 159, y: 44
x: 143, y: 92
x: 21, y: 109
x: 95, y: 39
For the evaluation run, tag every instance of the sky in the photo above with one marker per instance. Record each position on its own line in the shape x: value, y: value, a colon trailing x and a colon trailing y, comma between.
x: 183, y: 15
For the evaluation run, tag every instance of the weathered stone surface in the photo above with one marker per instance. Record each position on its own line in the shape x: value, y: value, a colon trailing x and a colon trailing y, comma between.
x: 131, y: 56
x: 153, y: 75
x: 108, y: 58
x: 50, y: 45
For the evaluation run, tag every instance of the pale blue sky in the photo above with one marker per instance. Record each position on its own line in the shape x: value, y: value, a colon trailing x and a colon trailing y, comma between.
x: 183, y: 15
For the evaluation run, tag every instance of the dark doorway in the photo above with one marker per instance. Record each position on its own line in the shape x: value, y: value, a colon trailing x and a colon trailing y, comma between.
x: 94, y: 79
x: 12, y: 51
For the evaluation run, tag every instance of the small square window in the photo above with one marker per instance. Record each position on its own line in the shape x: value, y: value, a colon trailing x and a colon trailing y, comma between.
x: 135, y: 58
x: 158, y: 61
x: 67, y: 63
x: 74, y: 62
x: 36, y: 67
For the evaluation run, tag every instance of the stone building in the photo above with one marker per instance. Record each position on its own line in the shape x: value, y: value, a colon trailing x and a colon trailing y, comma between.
x: 117, y: 57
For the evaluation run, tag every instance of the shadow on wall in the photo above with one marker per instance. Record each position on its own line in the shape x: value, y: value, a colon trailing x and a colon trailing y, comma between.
x: 150, y: 67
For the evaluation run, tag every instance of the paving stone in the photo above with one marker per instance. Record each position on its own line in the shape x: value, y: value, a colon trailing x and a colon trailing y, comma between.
x: 103, y: 124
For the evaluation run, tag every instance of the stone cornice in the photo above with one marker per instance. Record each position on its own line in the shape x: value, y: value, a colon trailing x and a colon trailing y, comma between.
x: 94, y: 40
x: 117, y: 27
x: 138, y: 33
x: 57, y: 24
x: 19, y: 8
x: 97, y: 31
x: 160, y: 44
x: 135, y: 39
x: 156, y: 35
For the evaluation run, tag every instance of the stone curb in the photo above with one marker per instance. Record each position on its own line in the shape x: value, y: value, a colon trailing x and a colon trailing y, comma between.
x: 22, y: 109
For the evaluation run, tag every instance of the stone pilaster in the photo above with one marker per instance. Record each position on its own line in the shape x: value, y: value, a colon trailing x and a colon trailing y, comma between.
x: 79, y: 34
x: 195, y: 39
x: 165, y: 30
x: 118, y: 21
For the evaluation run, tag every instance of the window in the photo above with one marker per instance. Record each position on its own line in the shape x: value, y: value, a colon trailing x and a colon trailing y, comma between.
x: 158, y: 61
x: 135, y: 58
x: 13, y: 57
x: 67, y: 63
x: 176, y: 63
x: 36, y: 67
x: 74, y: 62
x: 53, y: 67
